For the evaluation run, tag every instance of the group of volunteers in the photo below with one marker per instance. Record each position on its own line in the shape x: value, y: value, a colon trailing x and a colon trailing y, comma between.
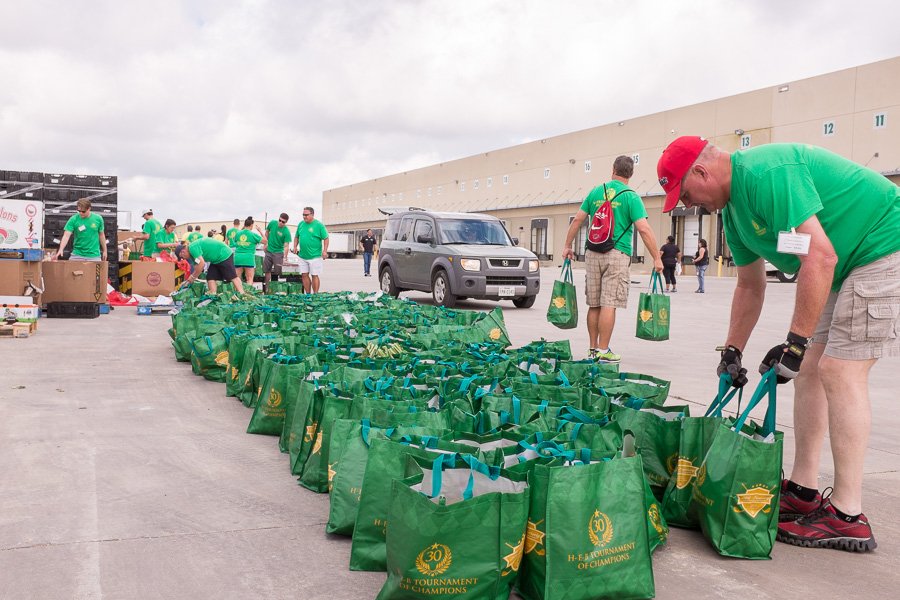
x: 807, y: 211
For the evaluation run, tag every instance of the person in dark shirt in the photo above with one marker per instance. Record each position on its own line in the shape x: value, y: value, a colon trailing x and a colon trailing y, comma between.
x: 369, y: 245
x: 671, y: 256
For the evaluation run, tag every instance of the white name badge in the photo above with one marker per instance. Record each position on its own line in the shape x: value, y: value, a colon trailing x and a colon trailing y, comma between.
x: 81, y: 228
x: 791, y: 242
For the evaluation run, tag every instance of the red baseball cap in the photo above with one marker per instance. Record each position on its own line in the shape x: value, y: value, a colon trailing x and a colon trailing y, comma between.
x: 674, y: 163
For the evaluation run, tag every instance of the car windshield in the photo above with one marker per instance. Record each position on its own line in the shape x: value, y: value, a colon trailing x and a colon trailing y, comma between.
x: 473, y: 231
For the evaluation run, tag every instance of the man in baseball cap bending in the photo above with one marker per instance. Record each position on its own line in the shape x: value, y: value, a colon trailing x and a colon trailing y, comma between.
x: 797, y: 206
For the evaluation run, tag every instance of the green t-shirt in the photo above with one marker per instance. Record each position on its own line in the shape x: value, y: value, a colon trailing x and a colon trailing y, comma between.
x: 86, y: 233
x: 231, y: 234
x: 164, y: 238
x: 775, y: 187
x: 310, y: 236
x: 627, y: 208
x: 245, y: 248
x: 210, y: 249
x: 193, y: 237
x: 278, y: 236
x: 151, y: 228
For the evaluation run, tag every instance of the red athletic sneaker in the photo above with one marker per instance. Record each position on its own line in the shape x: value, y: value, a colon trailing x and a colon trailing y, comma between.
x: 822, y: 528
x: 792, y: 507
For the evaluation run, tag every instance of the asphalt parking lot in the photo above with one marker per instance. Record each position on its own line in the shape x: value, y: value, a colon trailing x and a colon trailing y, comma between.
x: 124, y: 476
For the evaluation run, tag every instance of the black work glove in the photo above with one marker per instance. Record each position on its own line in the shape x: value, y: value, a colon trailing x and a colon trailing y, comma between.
x: 731, y: 364
x: 786, y: 357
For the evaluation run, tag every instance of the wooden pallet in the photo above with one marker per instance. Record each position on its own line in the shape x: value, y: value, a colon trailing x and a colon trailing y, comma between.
x: 18, y: 330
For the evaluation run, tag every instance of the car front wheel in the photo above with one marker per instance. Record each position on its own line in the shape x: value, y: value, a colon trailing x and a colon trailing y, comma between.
x: 524, y: 302
x: 440, y: 290
x: 387, y: 282
x: 786, y: 277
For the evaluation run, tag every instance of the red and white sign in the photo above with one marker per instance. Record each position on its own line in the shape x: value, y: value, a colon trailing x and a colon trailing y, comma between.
x: 21, y: 224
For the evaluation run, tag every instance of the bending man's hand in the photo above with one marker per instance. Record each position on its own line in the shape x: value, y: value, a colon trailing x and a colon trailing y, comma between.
x: 731, y: 364
x: 786, y: 358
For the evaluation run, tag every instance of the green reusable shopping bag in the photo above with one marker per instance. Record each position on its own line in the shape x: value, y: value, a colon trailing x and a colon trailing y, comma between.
x: 456, y: 531
x: 387, y: 461
x: 693, y: 443
x: 737, y: 490
x: 281, y: 388
x: 653, y: 313
x: 587, y: 535
x: 657, y: 432
x: 563, y: 309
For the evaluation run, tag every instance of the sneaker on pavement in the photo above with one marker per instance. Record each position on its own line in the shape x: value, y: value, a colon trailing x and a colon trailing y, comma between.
x: 608, y: 356
x: 823, y: 528
x: 792, y: 507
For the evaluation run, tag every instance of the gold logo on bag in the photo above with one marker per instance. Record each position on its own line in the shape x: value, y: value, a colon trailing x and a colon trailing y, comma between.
x: 274, y: 398
x: 310, y: 432
x: 534, y: 537
x: 234, y: 373
x: 646, y: 315
x: 600, y: 529
x: 514, y: 558
x: 559, y: 302
x: 434, y: 560
x: 495, y: 333
x: 755, y: 500
x: 222, y: 358
x: 684, y: 472
x: 655, y: 520
x: 672, y: 463
x: 663, y: 315
x: 331, y: 474
x: 318, y: 445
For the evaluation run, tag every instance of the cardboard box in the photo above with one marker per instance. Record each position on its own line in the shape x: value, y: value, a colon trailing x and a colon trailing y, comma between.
x: 21, y: 223
x: 75, y: 281
x: 24, y: 313
x: 21, y: 278
x: 147, y: 278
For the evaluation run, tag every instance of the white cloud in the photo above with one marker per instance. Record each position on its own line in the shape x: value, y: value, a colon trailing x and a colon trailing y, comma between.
x: 209, y: 109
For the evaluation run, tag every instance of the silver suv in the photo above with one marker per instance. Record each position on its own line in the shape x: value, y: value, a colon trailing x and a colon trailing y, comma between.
x: 455, y: 256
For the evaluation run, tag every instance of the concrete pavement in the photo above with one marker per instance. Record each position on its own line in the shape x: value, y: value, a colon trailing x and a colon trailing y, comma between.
x: 124, y: 476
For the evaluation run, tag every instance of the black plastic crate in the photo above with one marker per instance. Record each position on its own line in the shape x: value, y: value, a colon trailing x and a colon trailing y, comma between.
x: 25, y: 176
x: 73, y: 310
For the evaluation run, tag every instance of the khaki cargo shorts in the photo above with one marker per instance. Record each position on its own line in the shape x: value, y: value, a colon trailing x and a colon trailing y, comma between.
x: 862, y: 320
x: 607, y: 278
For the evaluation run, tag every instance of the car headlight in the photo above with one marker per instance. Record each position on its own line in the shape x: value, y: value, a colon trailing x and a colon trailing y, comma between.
x: 470, y: 264
x: 533, y: 266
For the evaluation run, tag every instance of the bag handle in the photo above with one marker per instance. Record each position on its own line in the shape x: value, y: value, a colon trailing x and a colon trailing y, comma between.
x: 723, y: 397
x: 655, y: 279
x: 566, y: 275
x: 766, y: 387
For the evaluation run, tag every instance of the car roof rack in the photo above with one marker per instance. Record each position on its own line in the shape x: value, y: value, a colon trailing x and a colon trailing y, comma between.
x: 389, y: 210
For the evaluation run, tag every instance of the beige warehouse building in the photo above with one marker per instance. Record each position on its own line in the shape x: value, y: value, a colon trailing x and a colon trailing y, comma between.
x: 536, y: 188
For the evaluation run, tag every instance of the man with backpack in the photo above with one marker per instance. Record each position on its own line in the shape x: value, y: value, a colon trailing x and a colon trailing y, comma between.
x: 613, y: 209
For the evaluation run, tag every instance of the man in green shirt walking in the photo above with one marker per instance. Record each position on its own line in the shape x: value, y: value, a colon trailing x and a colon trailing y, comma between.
x: 276, y: 240
x: 232, y: 233
x: 800, y: 206
x: 312, y: 241
x: 220, y: 258
x: 150, y: 229
x: 87, y: 229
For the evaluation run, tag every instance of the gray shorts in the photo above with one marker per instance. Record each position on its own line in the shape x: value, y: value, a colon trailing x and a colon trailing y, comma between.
x: 85, y: 258
x: 861, y: 321
x: 272, y: 262
x: 607, y: 278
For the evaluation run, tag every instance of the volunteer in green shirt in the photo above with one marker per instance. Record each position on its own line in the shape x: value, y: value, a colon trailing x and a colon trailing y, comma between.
x: 220, y: 258
x: 165, y: 239
x: 150, y: 229
x: 802, y: 207
x: 245, y: 250
x: 312, y: 240
x: 192, y: 235
x: 277, y: 239
x: 608, y: 274
x: 87, y: 229
x: 232, y: 233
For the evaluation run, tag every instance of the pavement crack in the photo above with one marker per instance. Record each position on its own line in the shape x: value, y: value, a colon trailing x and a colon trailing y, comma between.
x: 149, y: 537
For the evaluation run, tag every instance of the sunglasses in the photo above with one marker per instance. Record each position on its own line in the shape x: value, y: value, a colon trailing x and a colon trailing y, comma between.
x: 307, y: 214
x: 282, y: 221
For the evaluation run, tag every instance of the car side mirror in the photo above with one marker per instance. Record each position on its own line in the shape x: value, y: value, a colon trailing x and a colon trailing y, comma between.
x: 515, y: 241
x: 426, y: 239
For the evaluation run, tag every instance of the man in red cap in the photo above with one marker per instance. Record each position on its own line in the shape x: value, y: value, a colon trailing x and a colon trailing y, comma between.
x: 797, y: 205
x: 608, y: 272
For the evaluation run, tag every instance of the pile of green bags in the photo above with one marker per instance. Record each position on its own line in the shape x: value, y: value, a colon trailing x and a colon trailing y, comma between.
x: 459, y: 465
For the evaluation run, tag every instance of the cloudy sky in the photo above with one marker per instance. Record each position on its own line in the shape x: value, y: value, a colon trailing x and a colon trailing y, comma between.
x: 210, y: 109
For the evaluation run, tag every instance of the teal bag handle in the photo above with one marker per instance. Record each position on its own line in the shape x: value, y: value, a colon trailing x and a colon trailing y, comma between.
x: 723, y: 397
x: 655, y: 279
x: 767, y: 386
x: 564, y: 380
x: 566, y: 274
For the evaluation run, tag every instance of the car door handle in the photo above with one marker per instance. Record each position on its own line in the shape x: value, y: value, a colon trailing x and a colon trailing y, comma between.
x: 409, y: 250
